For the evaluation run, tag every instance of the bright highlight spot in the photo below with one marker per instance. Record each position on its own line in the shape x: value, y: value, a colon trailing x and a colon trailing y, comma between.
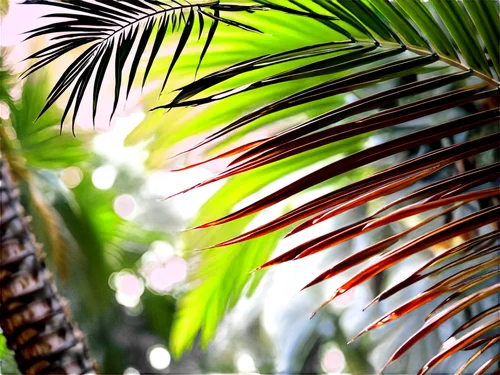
x: 16, y: 93
x: 126, y: 300
x: 110, y: 144
x: 4, y: 111
x: 177, y: 270
x: 449, y: 343
x: 129, y: 288
x: 344, y: 299
x: 72, y: 177
x: 159, y: 278
x: 131, y: 371
x: 124, y: 206
x: 161, y: 269
x: 273, y: 318
x: 130, y: 285
x: 163, y: 250
x: 333, y: 361
x: 309, y: 233
x: 104, y: 177
x: 245, y: 363
x: 159, y: 357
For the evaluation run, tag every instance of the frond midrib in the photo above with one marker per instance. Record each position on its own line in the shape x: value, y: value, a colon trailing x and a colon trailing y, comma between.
x: 155, y: 14
x: 424, y: 52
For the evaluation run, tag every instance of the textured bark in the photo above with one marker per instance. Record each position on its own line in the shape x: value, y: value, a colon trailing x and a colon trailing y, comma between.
x: 33, y: 316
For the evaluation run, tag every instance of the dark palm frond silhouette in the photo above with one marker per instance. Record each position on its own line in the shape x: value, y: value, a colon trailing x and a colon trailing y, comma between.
x: 110, y: 30
x: 420, y: 60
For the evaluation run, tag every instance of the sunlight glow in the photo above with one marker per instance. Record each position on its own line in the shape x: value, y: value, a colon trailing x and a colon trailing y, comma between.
x: 125, y: 206
x: 159, y: 357
x: 104, y: 177
x: 72, y: 177
x: 245, y: 363
x: 162, y: 250
x: 159, y: 279
x: 161, y: 268
x: 300, y: 269
x: 126, y: 300
x: 177, y: 269
x: 4, y: 111
x: 402, y: 273
x: 110, y: 144
x: 163, y: 278
x: 273, y: 318
x: 130, y: 284
x: 333, y: 361
x: 162, y: 184
x: 129, y: 288
x: 16, y: 93
x: 309, y: 233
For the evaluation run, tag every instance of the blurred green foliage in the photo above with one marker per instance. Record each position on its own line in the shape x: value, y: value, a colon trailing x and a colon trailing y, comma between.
x: 84, y: 238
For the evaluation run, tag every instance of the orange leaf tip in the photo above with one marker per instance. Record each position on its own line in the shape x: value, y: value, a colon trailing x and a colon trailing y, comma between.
x: 192, y: 228
x: 319, y: 308
x: 204, y: 249
x: 358, y: 335
x: 255, y: 270
x: 376, y: 299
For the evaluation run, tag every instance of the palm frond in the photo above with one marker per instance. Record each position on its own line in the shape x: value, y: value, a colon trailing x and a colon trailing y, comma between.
x: 455, y: 91
x: 431, y: 64
x: 110, y: 31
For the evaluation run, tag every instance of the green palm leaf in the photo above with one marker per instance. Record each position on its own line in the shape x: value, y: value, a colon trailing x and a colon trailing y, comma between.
x: 112, y: 31
x: 409, y: 62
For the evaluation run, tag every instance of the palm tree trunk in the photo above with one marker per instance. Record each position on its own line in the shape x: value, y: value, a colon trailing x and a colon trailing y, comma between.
x: 33, y: 316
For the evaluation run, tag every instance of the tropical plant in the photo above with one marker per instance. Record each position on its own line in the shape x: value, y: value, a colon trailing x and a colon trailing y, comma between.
x: 33, y: 312
x: 425, y: 79
x: 71, y: 230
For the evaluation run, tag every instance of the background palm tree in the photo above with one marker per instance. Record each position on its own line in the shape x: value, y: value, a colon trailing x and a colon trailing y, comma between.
x: 78, y: 235
x: 425, y: 81
x: 33, y: 313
